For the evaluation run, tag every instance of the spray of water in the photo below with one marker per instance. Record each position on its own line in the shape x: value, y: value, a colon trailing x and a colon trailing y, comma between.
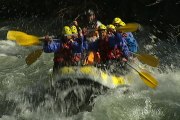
x: 25, y: 92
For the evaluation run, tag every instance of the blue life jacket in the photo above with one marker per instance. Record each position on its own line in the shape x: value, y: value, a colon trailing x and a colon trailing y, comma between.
x: 64, y: 51
x: 77, y: 45
x: 54, y: 46
x: 122, y: 44
x: 131, y: 42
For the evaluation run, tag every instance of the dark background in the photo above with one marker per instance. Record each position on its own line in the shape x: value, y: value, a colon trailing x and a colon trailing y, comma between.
x: 161, y: 15
x: 144, y: 11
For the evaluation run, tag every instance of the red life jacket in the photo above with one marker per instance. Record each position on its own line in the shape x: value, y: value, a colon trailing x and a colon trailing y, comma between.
x: 108, y: 53
x: 65, y: 56
x: 114, y: 53
x: 103, y: 48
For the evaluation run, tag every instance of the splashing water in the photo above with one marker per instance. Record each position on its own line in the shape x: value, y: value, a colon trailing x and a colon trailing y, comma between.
x: 20, y: 84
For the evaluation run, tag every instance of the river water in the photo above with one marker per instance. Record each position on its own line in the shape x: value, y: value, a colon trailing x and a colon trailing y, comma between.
x: 19, y: 81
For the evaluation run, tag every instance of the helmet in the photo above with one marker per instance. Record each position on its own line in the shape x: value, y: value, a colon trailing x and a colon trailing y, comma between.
x: 66, y: 30
x: 110, y: 26
x: 102, y: 27
x: 74, y: 29
x: 90, y: 12
x: 122, y: 23
x: 116, y: 20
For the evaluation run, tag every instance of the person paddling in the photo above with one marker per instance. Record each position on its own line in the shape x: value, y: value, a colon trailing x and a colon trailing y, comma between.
x: 128, y: 36
x: 90, y: 26
x: 108, y: 47
x: 67, y: 50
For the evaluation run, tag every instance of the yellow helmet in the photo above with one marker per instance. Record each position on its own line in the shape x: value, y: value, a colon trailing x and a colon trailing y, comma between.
x: 110, y: 26
x: 102, y: 27
x: 122, y: 23
x: 74, y: 29
x: 66, y: 30
x: 116, y: 20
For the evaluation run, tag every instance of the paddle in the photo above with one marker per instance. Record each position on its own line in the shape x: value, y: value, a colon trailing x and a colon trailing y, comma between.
x: 129, y: 27
x: 144, y: 58
x: 148, y: 79
x: 23, y: 39
x: 32, y: 57
x: 11, y: 35
x: 147, y: 59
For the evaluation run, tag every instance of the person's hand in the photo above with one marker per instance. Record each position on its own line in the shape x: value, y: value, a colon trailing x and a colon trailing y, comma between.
x: 124, y: 59
x: 80, y: 33
x: 75, y: 23
x: 47, y: 38
x: 84, y: 31
x: 124, y: 34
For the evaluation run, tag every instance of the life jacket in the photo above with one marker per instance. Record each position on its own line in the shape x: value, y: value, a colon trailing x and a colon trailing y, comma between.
x: 103, y: 48
x: 92, y: 58
x: 131, y: 41
x: 114, y: 53
x: 65, y: 55
x: 109, y: 49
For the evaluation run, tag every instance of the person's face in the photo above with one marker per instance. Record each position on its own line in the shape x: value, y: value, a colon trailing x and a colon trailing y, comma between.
x: 116, y: 25
x: 110, y: 31
x: 91, y: 18
x: 74, y: 36
x: 102, y: 33
x: 69, y: 37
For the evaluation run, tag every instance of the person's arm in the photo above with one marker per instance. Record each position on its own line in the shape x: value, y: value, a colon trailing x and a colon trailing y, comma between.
x: 132, y: 42
x: 51, y: 45
x: 85, y: 43
x: 75, y: 23
x: 125, y: 49
x: 93, y: 46
x: 98, y: 23
x: 123, y: 45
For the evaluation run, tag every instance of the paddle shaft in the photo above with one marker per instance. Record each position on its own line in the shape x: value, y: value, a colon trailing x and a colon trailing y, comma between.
x: 147, y: 59
x: 129, y: 28
x: 32, y: 57
x: 141, y: 74
x: 133, y: 67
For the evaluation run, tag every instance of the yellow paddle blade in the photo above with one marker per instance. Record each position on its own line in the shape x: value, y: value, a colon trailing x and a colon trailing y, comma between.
x: 11, y: 35
x: 32, y: 57
x: 22, y: 38
x: 148, y: 59
x: 130, y: 27
x: 27, y: 40
x: 148, y: 79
